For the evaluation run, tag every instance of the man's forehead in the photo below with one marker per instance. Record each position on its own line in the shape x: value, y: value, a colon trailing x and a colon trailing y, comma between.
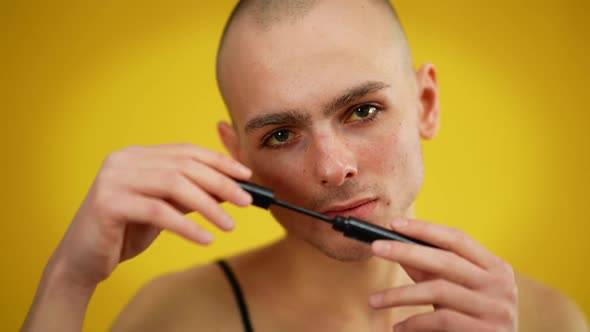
x: 304, y: 87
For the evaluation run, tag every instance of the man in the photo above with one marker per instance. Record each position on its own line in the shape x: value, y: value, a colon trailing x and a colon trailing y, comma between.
x: 328, y: 111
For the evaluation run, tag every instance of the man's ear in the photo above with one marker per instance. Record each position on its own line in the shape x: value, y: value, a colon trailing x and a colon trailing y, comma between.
x: 429, y: 101
x: 230, y: 140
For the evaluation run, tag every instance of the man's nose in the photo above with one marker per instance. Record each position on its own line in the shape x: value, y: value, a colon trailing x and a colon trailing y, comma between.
x: 334, y: 161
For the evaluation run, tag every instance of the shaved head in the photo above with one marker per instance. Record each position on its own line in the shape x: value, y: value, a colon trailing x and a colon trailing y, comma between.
x: 264, y: 15
x: 268, y: 12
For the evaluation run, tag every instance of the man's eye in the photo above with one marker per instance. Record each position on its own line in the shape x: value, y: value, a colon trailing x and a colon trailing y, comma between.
x: 363, y: 112
x: 278, y: 137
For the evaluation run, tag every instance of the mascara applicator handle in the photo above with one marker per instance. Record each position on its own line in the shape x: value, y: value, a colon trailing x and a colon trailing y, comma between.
x: 261, y: 197
x: 366, y: 232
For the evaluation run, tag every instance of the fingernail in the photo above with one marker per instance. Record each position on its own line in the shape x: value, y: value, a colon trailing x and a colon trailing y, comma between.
x: 381, y: 248
x: 375, y: 299
x: 228, y: 223
x: 245, y: 171
x: 399, y: 223
x: 244, y: 198
x: 206, y: 238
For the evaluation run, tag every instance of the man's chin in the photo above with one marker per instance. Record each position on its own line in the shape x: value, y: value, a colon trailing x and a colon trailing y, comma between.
x: 343, y: 249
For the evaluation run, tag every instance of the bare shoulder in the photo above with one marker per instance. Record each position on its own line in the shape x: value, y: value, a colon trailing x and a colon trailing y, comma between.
x: 542, y: 308
x: 196, y: 299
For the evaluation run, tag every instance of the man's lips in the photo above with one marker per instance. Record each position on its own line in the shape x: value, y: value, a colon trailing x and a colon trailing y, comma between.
x: 360, y: 209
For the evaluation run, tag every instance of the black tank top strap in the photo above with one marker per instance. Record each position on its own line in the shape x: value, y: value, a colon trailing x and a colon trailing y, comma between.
x: 238, y: 294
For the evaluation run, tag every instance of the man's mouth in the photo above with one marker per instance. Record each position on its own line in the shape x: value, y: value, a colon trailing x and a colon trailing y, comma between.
x: 360, y: 208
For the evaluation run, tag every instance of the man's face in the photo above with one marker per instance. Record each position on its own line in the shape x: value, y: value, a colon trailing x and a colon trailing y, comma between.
x: 327, y: 114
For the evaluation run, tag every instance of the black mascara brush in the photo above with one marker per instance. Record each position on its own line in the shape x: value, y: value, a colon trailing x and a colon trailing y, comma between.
x: 351, y: 227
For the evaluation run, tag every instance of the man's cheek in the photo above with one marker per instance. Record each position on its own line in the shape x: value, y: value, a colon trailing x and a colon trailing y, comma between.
x: 283, y: 176
x: 383, y: 156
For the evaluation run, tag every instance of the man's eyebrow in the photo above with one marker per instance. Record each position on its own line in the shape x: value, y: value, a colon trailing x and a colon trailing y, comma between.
x: 293, y: 117
x: 353, y: 94
x: 296, y: 117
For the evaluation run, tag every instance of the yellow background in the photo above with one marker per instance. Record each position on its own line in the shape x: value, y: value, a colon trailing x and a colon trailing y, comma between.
x: 510, y: 165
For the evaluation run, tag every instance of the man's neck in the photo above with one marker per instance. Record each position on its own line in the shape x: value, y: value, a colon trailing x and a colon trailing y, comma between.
x: 304, y: 266
x: 293, y: 270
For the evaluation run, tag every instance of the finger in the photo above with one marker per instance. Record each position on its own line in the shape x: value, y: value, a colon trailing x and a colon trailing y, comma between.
x: 177, y: 188
x: 447, y: 238
x: 440, y: 263
x: 418, y: 275
x: 152, y: 211
x: 217, y: 184
x: 437, y: 292
x: 442, y: 320
x: 215, y: 159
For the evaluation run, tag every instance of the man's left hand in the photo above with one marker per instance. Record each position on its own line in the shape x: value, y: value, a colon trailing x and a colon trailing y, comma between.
x: 470, y: 288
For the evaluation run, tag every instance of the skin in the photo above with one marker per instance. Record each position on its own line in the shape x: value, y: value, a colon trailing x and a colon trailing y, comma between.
x: 365, y: 150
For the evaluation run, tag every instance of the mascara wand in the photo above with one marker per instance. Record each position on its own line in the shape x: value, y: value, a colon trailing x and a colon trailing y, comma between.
x: 351, y: 227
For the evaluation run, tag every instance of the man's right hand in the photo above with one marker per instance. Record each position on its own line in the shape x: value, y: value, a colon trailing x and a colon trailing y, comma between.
x: 141, y: 191
x: 138, y: 192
